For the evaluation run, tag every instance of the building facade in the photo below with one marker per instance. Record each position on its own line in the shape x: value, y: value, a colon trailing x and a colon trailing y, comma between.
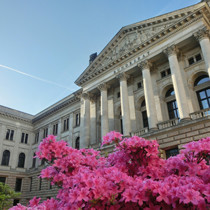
x: 151, y: 80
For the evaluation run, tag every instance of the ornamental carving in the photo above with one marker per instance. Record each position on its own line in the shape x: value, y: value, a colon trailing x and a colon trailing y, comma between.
x: 172, y: 50
x: 201, y: 34
x: 103, y: 86
x: 145, y: 65
x: 122, y: 76
x: 86, y: 96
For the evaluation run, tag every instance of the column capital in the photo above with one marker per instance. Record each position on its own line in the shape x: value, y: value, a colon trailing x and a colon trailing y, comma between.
x: 122, y: 76
x: 93, y: 97
x: 85, y: 96
x: 103, y: 86
x: 201, y: 34
x: 146, y: 64
x: 172, y: 50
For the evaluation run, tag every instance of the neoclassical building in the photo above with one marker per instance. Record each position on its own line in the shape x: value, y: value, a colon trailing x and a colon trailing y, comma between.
x: 151, y: 80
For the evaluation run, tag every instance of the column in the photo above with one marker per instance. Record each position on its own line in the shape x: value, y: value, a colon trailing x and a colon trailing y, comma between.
x: 125, y: 110
x: 104, y: 110
x: 85, y: 121
x: 178, y: 83
x: 203, y: 37
x: 149, y: 94
x: 93, y: 101
x: 111, y: 110
x: 71, y: 124
x: 59, y: 129
x: 50, y: 127
x: 132, y: 106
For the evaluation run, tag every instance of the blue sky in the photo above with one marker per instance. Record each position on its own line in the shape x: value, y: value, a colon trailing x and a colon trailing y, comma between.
x: 46, y: 43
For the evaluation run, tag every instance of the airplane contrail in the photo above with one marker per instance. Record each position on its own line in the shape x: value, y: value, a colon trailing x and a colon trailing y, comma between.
x: 35, y: 77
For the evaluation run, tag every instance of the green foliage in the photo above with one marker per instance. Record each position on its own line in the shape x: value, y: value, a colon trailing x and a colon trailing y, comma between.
x: 6, y: 196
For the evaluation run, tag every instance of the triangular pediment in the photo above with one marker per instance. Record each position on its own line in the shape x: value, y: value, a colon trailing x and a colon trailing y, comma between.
x: 130, y: 37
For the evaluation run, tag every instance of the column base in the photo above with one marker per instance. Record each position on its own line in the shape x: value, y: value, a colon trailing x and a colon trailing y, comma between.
x: 186, y: 119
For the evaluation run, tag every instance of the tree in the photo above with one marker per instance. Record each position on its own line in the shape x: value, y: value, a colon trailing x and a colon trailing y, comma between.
x: 132, y: 177
x: 6, y: 196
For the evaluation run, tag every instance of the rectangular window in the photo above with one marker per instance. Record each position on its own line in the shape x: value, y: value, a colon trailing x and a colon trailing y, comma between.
x: 139, y: 85
x: 10, y: 134
x: 34, y: 161
x: 77, y: 120
x: 172, y: 152
x: 66, y: 124
x: 163, y: 74
x: 118, y: 95
x: 31, y: 182
x: 18, y: 184
x: 45, y: 132
x: 37, y: 137
x: 24, y: 138
x: 55, y: 129
x: 191, y: 61
x: 198, y: 57
x: 40, y: 184
x: 3, y: 180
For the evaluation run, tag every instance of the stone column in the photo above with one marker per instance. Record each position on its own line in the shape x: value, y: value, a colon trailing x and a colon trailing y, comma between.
x: 203, y: 37
x: 93, y: 101
x: 85, y: 121
x: 178, y: 83
x: 125, y: 109
x: 104, y: 110
x: 59, y: 129
x: 149, y: 94
x: 50, y: 127
x: 71, y: 125
x: 111, y: 110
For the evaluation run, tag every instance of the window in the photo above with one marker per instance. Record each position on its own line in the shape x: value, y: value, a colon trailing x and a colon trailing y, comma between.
x: 172, y: 104
x: 118, y: 95
x: 194, y: 59
x: 34, y: 161
x: 40, y: 184
x: 144, y: 114
x: 21, y: 160
x: 15, y: 202
x: 18, y: 184
x: 5, y: 158
x: 203, y: 93
x: 66, y: 124
x: 45, y: 133
x: 172, y: 152
x: 165, y: 73
x: 140, y: 84
x: 9, y: 134
x: 31, y: 182
x: 24, y: 138
x: 55, y: 129
x: 77, y: 119
x: 77, y: 143
x: 3, y: 180
x: 37, y: 137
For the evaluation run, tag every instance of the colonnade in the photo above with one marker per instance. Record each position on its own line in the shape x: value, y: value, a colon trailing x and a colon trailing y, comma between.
x: 178, y: 83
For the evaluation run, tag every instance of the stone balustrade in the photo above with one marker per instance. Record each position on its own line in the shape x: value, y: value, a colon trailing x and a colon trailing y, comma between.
x: 140, y: 132
x: 200, y: 114
x: 168, y: 123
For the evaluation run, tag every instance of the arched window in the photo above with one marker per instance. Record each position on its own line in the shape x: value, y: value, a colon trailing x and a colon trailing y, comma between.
x: 5, y: 158
x: 21, y: 160
x: 77, y: 143
x: 144, y: 114
x: 202, y: 86
x: 171, y: 104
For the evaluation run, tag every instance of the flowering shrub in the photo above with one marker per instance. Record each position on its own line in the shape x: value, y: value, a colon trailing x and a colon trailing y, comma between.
x: 132, y: 177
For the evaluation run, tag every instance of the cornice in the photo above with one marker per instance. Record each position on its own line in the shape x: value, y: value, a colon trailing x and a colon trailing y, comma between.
x: 59, y: 107
x: 187, y: 17
x: 15, y: 117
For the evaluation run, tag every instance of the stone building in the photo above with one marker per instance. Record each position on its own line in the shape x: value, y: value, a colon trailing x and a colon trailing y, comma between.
x: 151, y: 80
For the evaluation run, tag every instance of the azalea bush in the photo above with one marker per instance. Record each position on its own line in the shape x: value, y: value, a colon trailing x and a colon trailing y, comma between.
x: 134, y: 176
